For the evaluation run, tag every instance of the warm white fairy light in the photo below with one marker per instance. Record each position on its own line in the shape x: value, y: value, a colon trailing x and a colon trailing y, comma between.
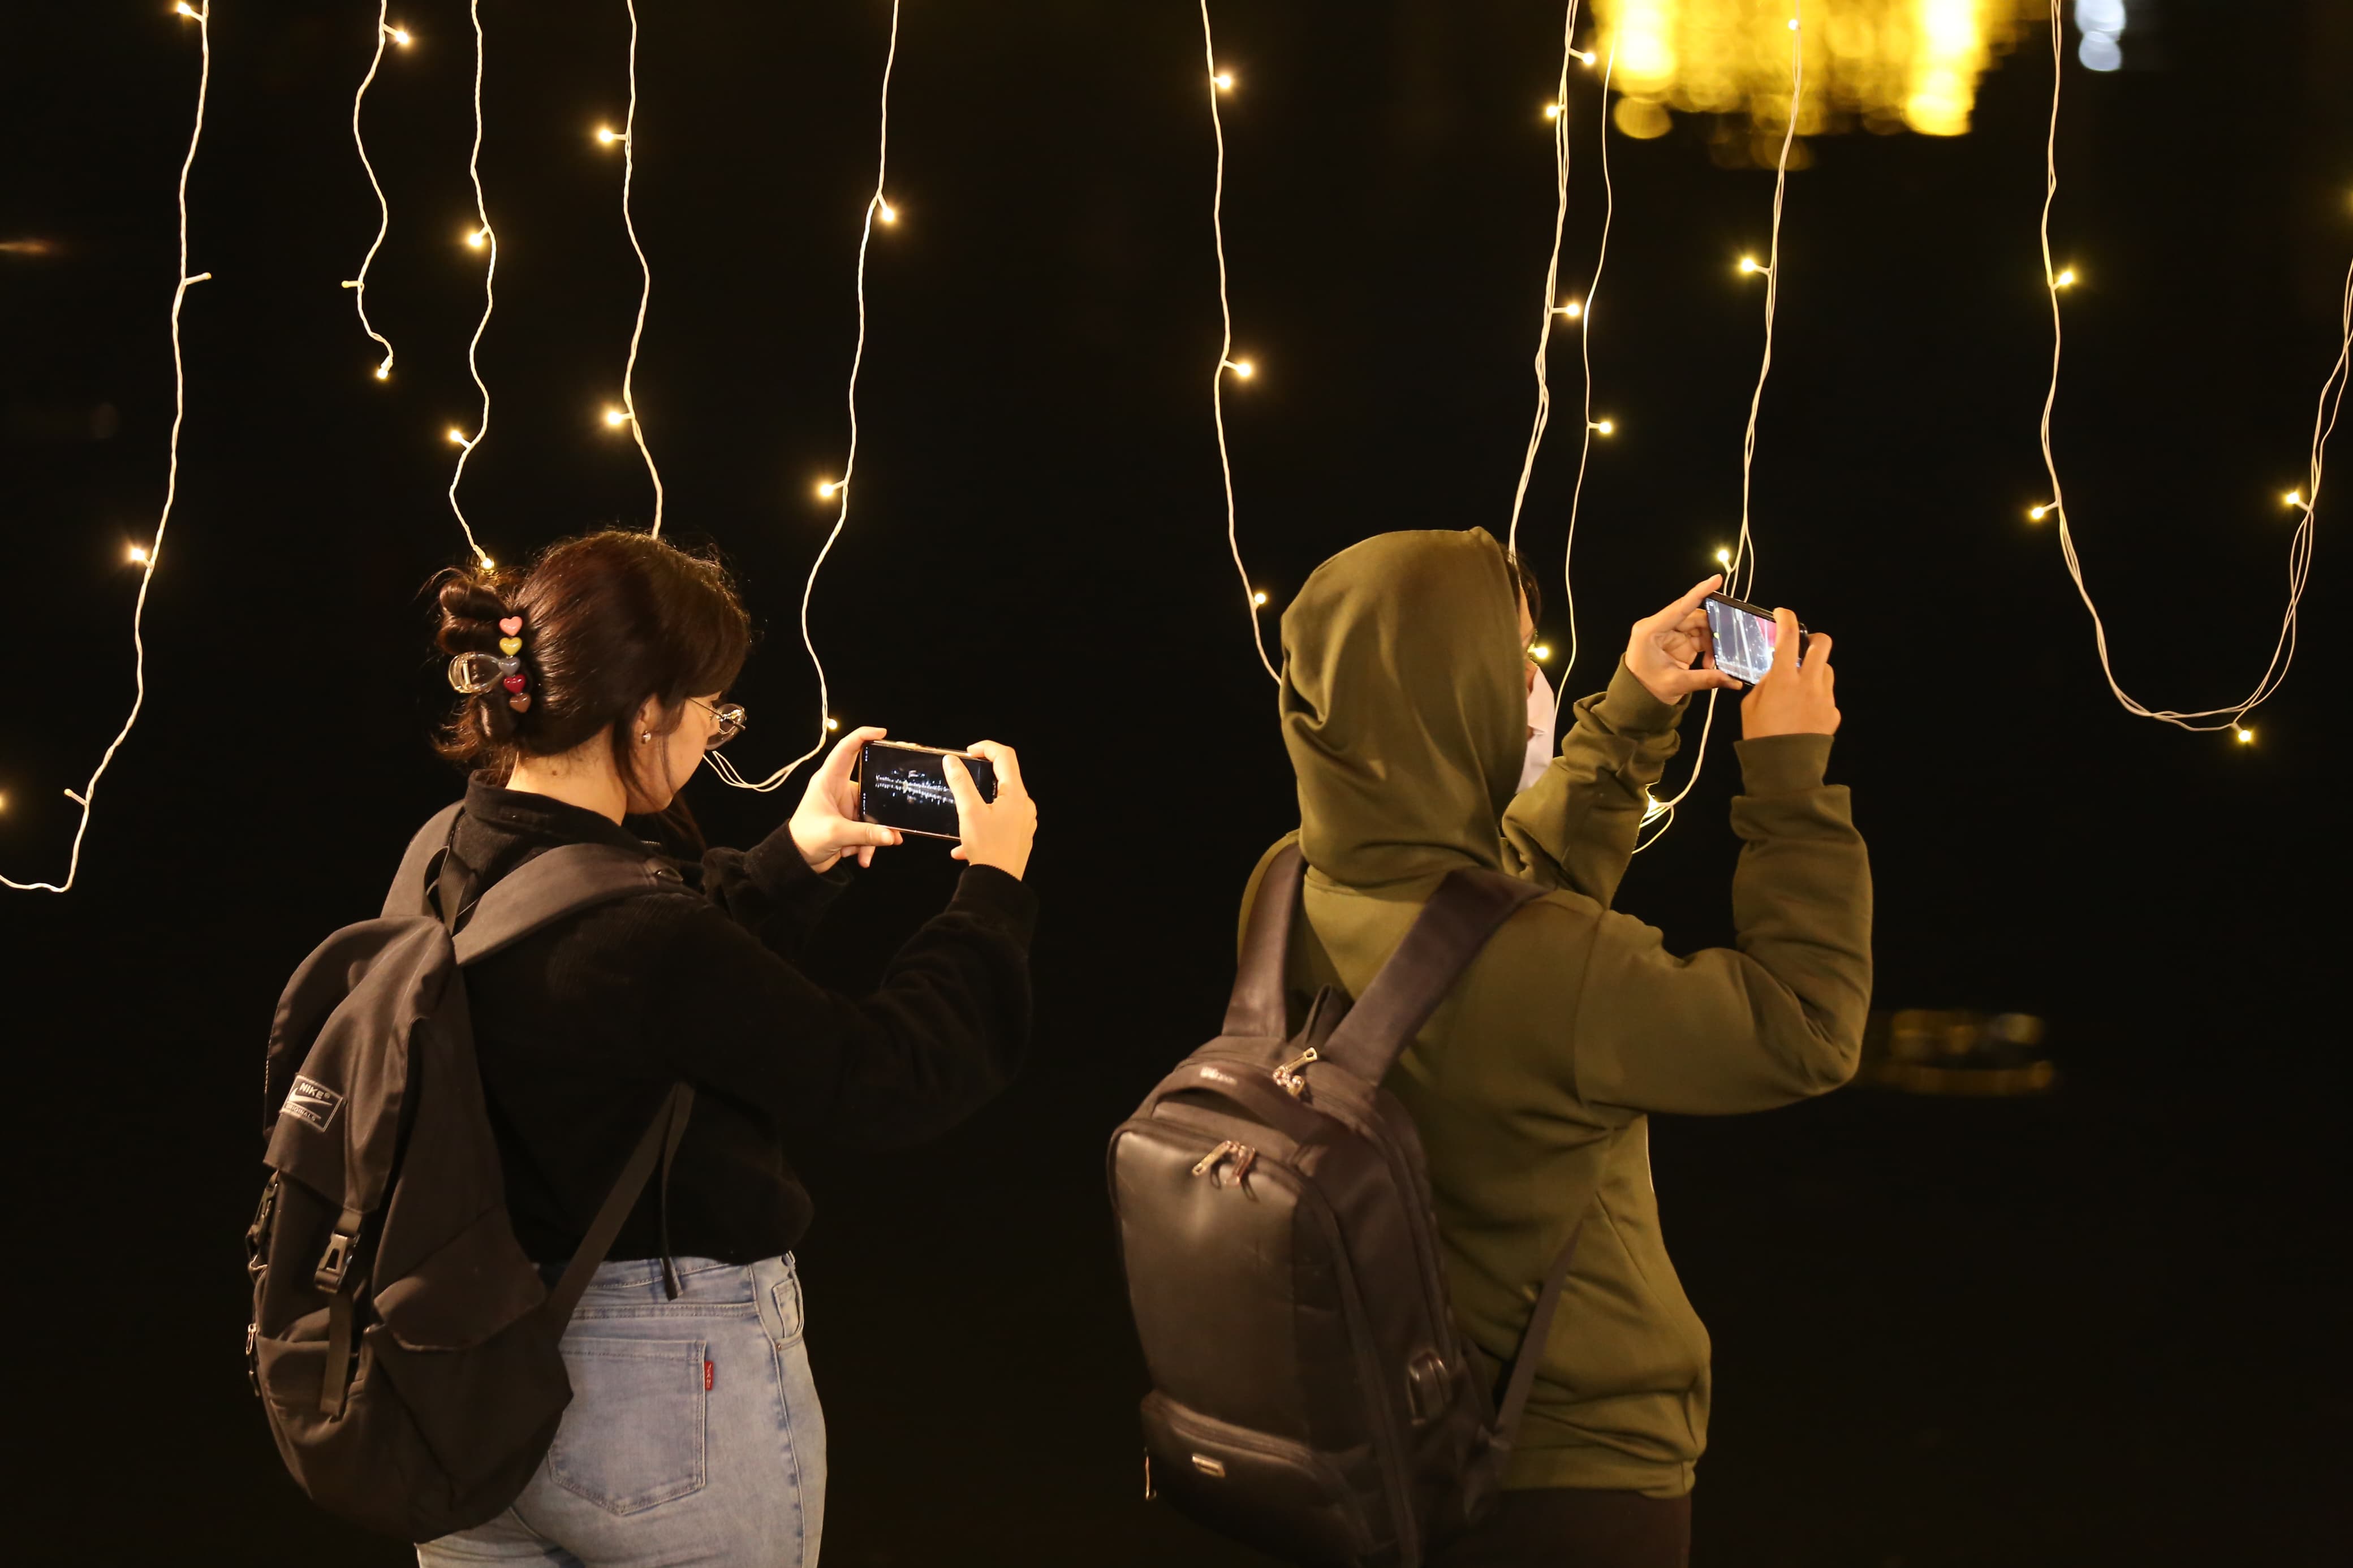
x: 1560, y: 159
x: 1259, y: 598
x: 2234, y: 716
x: 385, y: 32
x: 482, y: 235
x: 137, y: 554
x: 1574, y: 310
x: 627, y: 139
x: 146, y: 557
x: 1220, y: 79
x: 1740, y: 570
x: 838, y: 490
x: 1604, y: 426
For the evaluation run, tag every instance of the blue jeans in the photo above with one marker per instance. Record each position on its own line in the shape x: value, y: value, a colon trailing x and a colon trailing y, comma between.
x: 694, y: 1436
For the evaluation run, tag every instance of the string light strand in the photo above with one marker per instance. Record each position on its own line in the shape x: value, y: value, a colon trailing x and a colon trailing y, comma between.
x: 646, y: 271
x: 483, y: 236
x: 385, y: 33
x: 149, y: 555
x: 1740, y: 570
x: 2234, y: 716
x: 1556, y: 114
x: 1582, y: 311
x: 1222, y: 82
x: 878, y: 208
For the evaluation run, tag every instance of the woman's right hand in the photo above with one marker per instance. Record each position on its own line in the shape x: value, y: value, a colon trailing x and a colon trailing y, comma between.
x: 998, y: 833
x: 1793, y: 699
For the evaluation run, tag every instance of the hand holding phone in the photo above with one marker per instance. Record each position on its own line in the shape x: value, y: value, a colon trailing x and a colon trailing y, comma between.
x: 974, y: 796
x: 1663, y: 648
x: 827, y: 826
x: 1793, y: 697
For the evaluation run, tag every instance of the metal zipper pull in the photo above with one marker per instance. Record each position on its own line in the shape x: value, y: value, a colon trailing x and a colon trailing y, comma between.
x: 1288, y: 1074
x: 1210, y: 1161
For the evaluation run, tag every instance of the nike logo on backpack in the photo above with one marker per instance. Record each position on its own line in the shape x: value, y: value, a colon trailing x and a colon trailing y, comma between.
x: 313, y: 1101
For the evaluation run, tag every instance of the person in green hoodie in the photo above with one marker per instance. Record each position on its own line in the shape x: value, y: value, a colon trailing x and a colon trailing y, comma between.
x: 1404, y: 711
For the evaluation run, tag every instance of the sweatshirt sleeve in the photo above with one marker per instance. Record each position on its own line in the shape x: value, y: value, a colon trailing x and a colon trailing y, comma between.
x: 770, y: 891
x: 944, y: 1032
x: 1574, y: 828
x: 1775, y: 1019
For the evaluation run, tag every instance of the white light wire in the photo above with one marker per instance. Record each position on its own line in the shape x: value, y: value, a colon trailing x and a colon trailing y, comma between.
x: 1225, y: 344
x: 86, y: 796
x: 646, y: 291
x: 1585, y: 349
x: 466, y: 444
x: 875, y: 205
x: 2300, y: 546
x: 1560, y: 158
x: 1740, y: 574
x: 384, y: 209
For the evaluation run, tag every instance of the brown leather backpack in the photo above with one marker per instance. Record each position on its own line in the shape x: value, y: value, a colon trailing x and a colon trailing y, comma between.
x: 1312, y: 1393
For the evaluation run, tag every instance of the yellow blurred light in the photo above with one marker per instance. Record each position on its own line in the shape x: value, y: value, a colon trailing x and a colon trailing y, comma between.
x: 1750, y: 264
x: 1259, y: 597
x: 2037, y: 514
x: 2293, y: 498
x: 3, y: 801
x: 1724, y: 557
x: 2246, y: 736
x: 885, y: 211
x: 1606, y: 426
x: 457, y: 438
x: 137, y: 555
x: 384, y: 372
x: 1552, y: 111
x: 2066, y: 278
x: 616, y: 417
x: 1889, y: 64
x: 477, y: 237
x: 608, y: 135
x: 488, y: 564
x: 185, y: 9
x: 1224, y: 81
x: 398, y: 36
x: 827, y: 489
x: 1540, y: 651
x: 1587, y: 56
x: 1573, y: 309
x: 1242, y: 368
x: 832, y: 723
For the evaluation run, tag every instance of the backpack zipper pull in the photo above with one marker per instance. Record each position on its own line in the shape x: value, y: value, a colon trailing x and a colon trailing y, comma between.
x: 1210, y: 1161
x: 1288, y: 1074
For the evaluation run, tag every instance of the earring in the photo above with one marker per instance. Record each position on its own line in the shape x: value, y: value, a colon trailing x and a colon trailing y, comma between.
x: 646, y: 737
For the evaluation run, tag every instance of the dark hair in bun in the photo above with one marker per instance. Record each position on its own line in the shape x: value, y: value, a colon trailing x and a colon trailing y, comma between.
x: 608, y: 620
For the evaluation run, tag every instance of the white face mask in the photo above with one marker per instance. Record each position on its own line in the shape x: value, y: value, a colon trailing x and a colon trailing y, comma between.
x: 1543, y: 712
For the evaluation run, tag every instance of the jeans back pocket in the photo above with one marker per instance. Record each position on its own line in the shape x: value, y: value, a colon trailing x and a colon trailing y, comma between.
x: 634, y: 1435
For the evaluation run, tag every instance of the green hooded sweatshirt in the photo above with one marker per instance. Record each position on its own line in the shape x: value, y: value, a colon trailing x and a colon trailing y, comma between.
x: 1404, y: 711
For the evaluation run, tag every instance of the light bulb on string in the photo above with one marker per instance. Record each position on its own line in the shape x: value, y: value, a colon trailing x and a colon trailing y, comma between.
x: 2037, y: 514
x: 608, y: 135
x: 1553, y: 110
x: 1574, y: 310
x: 616, y: 417
x: 1241, y: 367
x: 2292, y: 497
x: 358, y: 285
x: 1540, y: 652
x: 1724, y: 557
x: 829, y: 489
x: 399, y: 36
x: 137, y: 555
x: 885, y: 211
x: 2246, y: 737
x: 478, y: 238
x: 1259, y: 597
x: 1749, y: 264
x: 832, y: 723
x: 1605, y: 426
x: 2065, y: 279
x: 1224, y: 81
x: 457, y: 438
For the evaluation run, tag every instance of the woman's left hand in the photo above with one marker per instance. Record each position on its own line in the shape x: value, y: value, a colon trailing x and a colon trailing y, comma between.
x: 825, y: 827
x: 1661, y: 648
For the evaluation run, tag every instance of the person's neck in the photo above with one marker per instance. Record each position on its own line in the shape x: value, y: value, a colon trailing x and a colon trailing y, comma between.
x: 568, y: 780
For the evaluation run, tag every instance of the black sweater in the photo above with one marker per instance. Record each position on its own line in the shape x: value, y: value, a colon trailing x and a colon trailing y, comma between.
x: 582, y: 1028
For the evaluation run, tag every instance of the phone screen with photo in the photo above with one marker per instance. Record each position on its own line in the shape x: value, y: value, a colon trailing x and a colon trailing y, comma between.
x: 906, y: 787
x: 1743, y: 636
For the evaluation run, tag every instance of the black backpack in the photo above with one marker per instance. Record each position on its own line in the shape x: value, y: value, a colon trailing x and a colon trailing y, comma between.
x: 1311, y: 1394
x: 403, y: 1348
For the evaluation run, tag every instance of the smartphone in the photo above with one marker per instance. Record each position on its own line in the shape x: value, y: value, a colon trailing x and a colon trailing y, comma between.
x: 906, y: 787
x: 1743, y: 636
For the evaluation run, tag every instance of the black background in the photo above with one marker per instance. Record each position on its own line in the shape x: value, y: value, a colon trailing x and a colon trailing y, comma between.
x: 2105, y: 1326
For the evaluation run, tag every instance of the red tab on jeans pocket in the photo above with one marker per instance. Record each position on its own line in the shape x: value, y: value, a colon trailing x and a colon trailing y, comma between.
x: 706, y: 1377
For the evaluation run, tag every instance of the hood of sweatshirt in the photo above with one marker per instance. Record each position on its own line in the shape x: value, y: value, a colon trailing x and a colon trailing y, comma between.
x: 1405, y: 706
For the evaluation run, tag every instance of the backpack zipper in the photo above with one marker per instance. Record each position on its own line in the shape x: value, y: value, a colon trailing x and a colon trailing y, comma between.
x: 1289, y: 1074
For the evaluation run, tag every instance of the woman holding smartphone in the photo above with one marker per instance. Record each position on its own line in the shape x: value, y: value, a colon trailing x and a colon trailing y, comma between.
x: 695, y: 1432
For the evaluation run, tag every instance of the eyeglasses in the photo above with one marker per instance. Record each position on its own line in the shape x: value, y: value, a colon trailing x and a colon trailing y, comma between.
x: 731, y: 721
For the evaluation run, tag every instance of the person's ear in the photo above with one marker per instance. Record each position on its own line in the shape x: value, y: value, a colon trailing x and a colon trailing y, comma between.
x: 646, y: 722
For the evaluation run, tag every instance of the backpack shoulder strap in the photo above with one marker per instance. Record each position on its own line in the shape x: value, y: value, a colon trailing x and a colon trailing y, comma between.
x: 406, y: 897
x: 565, y: 881
x: 1468, y: 907
x: 1256, y: 1011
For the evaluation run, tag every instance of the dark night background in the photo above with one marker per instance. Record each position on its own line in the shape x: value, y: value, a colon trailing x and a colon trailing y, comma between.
x: 2103, y: 1326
